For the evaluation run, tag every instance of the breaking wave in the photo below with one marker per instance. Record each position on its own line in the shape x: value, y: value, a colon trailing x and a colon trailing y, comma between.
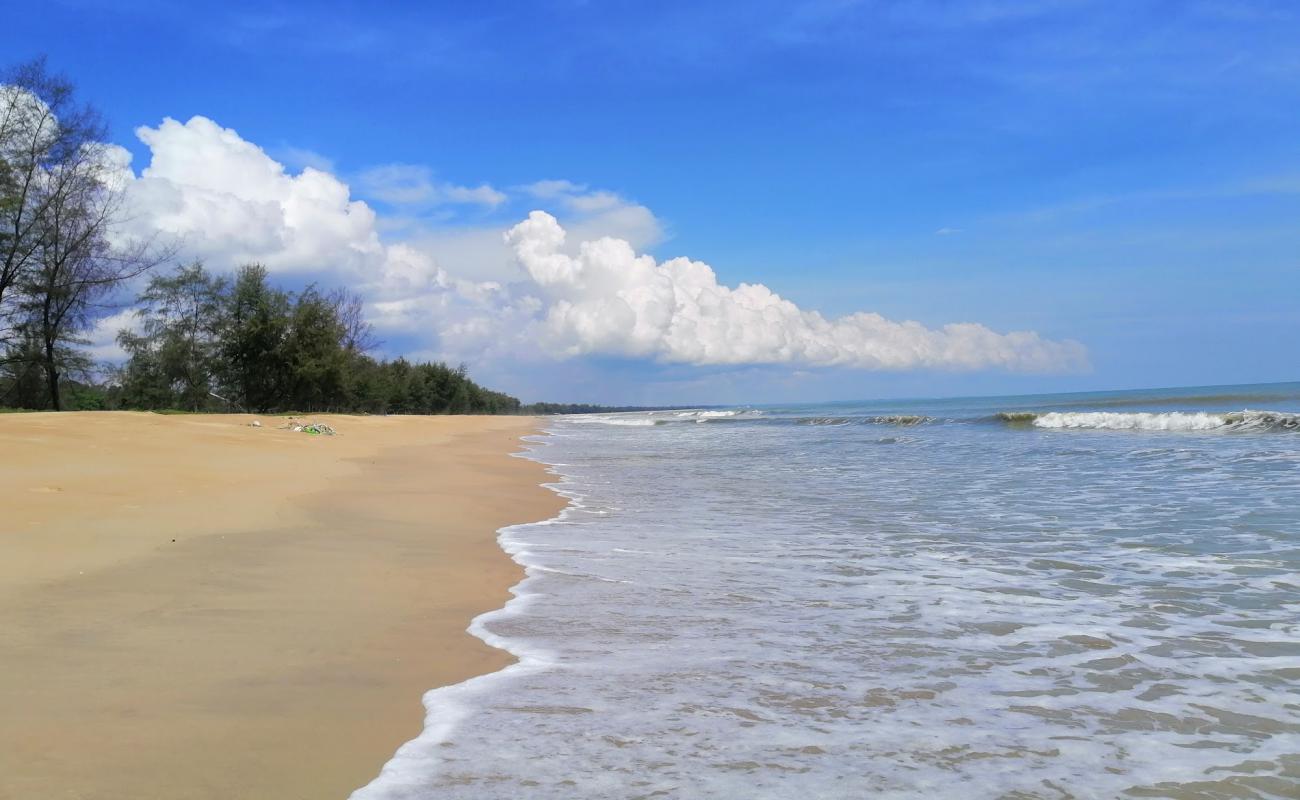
x: 642, y: 419
x: 611, y: 419
x: 888, y: 419
x: 1192, y: 421
x: 1151, y: 421
x: 730, y: 415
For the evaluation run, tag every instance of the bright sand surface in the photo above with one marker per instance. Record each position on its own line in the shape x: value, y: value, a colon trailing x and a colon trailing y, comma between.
x: 191, y: 607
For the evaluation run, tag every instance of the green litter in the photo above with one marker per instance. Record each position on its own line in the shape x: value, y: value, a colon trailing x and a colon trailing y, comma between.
x: 312, y: 428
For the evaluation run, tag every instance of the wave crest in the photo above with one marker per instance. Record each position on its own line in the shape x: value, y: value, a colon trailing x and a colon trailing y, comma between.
x: 905, y: 420
x: 1163, y: 421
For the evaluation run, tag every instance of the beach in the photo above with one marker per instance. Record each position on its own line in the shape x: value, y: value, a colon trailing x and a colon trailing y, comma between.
x: 194, y: 607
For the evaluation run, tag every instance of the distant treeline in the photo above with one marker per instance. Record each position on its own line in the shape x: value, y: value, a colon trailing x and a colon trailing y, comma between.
x: 203, y: 342
x: 206, y: 343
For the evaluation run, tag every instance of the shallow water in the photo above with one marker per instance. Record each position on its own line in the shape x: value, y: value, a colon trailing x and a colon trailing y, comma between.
x: 903, y: 599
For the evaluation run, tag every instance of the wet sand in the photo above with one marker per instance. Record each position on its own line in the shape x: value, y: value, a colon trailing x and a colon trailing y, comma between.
x: 191, y: 607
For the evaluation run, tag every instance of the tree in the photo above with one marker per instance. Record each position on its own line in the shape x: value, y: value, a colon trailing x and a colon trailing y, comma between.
x: 77, y: 268
x: 59, y: 257
x: 23, y: 385
x: 314, y: 353
x: 252, y: 340
x: 358, y: 334
x: 173, y: 360
x: 47, y: 139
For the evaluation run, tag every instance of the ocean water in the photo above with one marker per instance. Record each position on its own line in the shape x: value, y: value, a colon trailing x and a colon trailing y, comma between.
x: 1069, y: 596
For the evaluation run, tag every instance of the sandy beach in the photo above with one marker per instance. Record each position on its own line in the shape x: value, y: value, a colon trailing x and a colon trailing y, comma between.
x: 191, y: 607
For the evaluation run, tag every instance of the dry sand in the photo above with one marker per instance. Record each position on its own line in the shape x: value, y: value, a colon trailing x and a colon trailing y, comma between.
x: 194, y: 608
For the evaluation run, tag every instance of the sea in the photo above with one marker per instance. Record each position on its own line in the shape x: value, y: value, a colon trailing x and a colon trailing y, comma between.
x: 1058, y: 596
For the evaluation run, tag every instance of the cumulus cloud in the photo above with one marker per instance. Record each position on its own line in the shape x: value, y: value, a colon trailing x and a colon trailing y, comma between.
x: 228, y: 202
x: 608, y: 299
x: 479, y: 253
x: 300, y: 157
x: 542, y: 290
x: 599, y: 213
x: 631, y: 222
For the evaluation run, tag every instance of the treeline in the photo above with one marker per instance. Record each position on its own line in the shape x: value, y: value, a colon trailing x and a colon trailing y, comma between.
x: 206, y: 343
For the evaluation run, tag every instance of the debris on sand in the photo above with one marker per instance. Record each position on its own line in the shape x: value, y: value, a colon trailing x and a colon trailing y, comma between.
x: 312, y: 428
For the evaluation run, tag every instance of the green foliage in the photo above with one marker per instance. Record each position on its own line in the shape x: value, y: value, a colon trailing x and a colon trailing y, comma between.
x: 205, y: 344
x: 173, y: 360
x: 23, y: 380
x: 315, y: 360
x: 21, y: 376
x: 252, y: 358
x: 83, y: 397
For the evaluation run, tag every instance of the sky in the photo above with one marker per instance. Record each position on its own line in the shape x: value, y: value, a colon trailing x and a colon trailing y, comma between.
x: 722, y: 202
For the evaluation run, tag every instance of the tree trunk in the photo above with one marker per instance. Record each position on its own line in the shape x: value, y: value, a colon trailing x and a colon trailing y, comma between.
x: 52, y: 380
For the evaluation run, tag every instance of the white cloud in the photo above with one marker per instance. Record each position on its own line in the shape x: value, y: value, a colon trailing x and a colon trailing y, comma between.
x: 632, y: 222
x: 599, y: 213
x: 228, y: 201
x: 479, y: 253
x: 414, y: 184
x: 301, y: 157
x: 594, y: 202
x: 545, y: 190
x: 482, y: 195
x: 399, y: 184
x: 609, y: 300
x: 102, y: 338
x: 541, y: 291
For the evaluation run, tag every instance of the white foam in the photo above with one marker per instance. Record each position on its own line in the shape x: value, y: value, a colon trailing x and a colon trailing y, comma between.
x: 1168, y: 421
x: 612, y: 419
x: 840, y: 624
x: 1144, y: 421
x: 715, y: 414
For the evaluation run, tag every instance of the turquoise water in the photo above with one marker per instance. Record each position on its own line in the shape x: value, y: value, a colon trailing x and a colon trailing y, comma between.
x: 1089, y: 596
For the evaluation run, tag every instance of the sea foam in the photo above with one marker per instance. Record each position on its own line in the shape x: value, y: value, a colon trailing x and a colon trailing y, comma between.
x: 1169, y: 421
x: 980, y: 613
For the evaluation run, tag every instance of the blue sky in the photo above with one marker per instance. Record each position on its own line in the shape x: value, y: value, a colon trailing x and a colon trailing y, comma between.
x: 1123, y: 175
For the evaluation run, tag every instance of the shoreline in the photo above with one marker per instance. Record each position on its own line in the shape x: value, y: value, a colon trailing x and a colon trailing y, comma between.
x: 442, y: 707
x: 317, y: 587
